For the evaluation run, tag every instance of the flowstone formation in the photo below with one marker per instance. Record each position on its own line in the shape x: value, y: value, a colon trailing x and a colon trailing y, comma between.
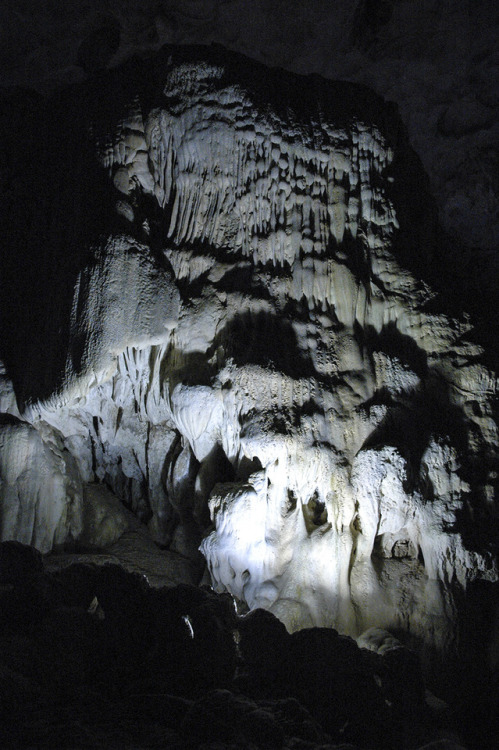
x: 231, y: 317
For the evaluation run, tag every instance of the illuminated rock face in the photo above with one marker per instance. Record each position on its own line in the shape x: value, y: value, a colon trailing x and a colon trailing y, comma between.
x: 253, y: 341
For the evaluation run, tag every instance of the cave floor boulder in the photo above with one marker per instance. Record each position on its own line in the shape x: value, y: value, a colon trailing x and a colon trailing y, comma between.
x: 136, y: 552
x: 93, y: 656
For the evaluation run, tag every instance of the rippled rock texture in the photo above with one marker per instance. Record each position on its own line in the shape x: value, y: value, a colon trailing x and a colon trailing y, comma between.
x: 220, y: 284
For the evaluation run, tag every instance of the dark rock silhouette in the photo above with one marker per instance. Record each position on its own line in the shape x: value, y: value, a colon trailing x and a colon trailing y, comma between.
x: 94, y: 657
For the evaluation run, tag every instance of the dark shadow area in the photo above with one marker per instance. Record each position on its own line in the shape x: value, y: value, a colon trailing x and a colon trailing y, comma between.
x: 413, y: 420
x: 478, y: 527
x: 467, y: 677
x: 100, y: 42
x: 476, y: 707
x: 409, y: 425
x: 415, y: 417
x: 9, y: 420
x: 247, y: 467
x: 58, y: 207
x: 177, y: 489
x: 266, y: 340
x: 92, y: 656
x: 60, y: 210
x: 370, y: 17
x: 242, y: 278
x: 191, y: 368
x: 395, y: 344
x: 298, y: 310
x: 355, y: 255
x: 307, y: 409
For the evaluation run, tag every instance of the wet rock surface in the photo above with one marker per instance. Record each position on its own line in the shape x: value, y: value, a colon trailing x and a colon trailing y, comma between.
x: 92, y: 656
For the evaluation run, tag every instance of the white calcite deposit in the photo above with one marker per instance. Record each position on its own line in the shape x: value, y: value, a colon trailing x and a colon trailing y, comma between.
x: 255, y: 360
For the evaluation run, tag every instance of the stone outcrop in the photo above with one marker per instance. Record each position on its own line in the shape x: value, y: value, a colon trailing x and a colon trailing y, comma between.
x: 236, y: 330
x: 92, y: 656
